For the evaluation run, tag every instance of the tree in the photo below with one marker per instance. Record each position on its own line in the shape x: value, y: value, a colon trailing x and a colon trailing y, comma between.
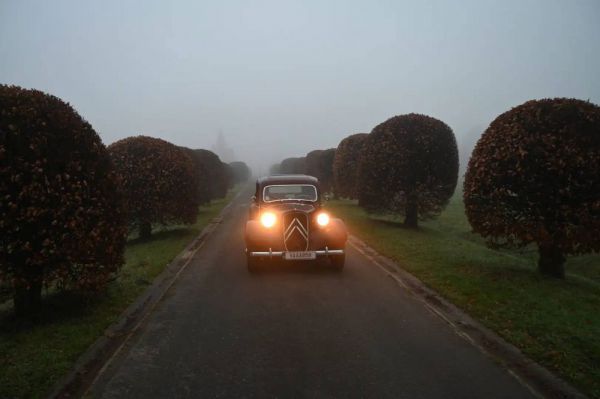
x: 409, y: 167
x: 60, y: 215
x: 204, y: 194
x: 534, y: 178
x: 319, y: 163
x: 345, y: 165
x: 158, y: 180
x: 293, y: 166
x: 275, y: 169
x: 241, y: 172
x: 218, y: 175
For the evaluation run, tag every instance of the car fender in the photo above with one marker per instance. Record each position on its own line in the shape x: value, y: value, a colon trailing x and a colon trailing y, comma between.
x: 256, y: 235
x: 336, y: 232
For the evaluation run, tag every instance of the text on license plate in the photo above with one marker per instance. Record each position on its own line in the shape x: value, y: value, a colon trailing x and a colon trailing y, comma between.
x: 300, y: 255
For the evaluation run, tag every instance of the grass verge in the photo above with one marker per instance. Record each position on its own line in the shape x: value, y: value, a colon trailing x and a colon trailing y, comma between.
x: 556, y: 323
x: 34, y: 357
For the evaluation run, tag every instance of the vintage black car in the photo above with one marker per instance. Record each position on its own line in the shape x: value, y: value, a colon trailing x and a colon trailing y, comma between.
x: 287, y: 222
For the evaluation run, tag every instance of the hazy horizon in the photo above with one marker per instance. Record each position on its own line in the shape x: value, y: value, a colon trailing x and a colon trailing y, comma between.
x: 279, y: 79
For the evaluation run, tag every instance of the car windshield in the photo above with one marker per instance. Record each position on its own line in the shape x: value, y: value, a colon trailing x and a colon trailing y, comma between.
x: 283, y: 192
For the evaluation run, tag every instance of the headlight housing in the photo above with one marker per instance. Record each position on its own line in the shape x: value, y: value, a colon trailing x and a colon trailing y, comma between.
x: 268, y: 219
x: 322, y: 219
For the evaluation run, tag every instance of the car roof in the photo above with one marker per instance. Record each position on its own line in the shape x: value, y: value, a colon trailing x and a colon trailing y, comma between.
x: 287, y: 179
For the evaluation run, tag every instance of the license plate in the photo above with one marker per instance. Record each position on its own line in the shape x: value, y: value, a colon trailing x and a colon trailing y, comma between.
x: 300, y: 255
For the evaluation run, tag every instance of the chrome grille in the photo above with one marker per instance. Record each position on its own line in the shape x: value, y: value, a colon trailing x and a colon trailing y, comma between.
x: 295, y: 231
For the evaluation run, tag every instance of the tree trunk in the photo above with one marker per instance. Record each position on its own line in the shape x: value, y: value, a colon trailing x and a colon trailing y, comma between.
x: 552, y: 261
x: 28, y: 300
x: 145, y: 230
x: 412, y: 213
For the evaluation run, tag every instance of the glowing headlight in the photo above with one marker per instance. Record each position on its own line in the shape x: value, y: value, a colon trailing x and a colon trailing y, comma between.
x: 323, y: 219
x: 268, y: 219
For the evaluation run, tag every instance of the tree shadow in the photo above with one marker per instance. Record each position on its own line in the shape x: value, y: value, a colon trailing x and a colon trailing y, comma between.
x: 58, y: 306
x: 167, y: 233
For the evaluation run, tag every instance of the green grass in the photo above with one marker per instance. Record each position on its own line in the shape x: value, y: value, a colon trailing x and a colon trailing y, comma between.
x: 557, y: 323
x: 34, y: 356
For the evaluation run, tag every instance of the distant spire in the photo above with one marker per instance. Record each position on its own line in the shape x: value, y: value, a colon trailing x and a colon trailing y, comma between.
x: 222, y: 149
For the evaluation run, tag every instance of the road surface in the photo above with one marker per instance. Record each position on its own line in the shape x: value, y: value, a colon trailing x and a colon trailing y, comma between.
x: 296, y: 331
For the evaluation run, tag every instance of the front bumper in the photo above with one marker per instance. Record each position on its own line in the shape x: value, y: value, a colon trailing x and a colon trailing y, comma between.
x: 280, y: 254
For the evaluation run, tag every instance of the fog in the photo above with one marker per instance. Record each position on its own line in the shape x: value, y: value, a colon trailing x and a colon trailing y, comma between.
x: 281, y: 78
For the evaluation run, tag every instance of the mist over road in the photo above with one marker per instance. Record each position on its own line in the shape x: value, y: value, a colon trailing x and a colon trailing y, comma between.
x: 297, y: 330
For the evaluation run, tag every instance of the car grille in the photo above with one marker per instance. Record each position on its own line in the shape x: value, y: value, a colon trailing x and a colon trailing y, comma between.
x: 295, y: 231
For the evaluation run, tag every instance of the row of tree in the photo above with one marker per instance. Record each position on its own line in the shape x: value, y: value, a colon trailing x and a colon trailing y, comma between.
x: 68, y: 203
x: 533, y: 177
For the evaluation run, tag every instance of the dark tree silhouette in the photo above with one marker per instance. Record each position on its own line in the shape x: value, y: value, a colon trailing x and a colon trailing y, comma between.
x: 275, y: 169
x: 218, y: 174
x: 241, y: 171
x: 61, y: 219
x: 534, y: 178
x: 409, y: 167
x: 159, y: 182
x: 345, y: 165
x: 319, y: 163
x: 293, y: 166
x: 204, y: 185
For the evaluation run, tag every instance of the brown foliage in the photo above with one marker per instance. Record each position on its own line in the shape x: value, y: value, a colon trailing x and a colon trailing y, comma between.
x: 345, y: 165
x: 159, y: 181
x: 241, y: 172
x: 204, y: 185
x: 219, y: 175
x: 293, y: 166
x: 534, y: 177
x: 60, y: 216
x: 409, y: 167
x: 319, y: 163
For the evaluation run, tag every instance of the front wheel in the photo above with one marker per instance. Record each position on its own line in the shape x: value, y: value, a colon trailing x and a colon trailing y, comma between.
x: 338, y: 261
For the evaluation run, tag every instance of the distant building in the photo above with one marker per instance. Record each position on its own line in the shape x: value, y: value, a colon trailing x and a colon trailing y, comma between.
x: 223, y: 150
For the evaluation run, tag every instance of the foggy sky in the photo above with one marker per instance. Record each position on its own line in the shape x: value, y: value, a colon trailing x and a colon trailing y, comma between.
x: 281, y: 78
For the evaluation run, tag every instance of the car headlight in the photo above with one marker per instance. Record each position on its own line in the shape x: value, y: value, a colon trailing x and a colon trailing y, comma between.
x: 322, y: 219
x: 268, y: 219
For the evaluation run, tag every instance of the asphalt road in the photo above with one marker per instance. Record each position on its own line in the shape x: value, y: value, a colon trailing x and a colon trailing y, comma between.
x: 295, y: 331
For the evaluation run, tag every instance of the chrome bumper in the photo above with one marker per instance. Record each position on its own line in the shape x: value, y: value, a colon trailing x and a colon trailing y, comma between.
x: 280, y: 254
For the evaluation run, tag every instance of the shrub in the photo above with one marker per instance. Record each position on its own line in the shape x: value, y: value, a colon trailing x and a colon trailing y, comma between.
x: 293, y: 166
x: 319, y: 163
x: 204, y: 194
x: 409, y: 167
x: 159, y: 182
x: 534, y: 178
x: 345, y: 165
x: 60, y: 216
x: 218, y: 174
x: 241, y: 172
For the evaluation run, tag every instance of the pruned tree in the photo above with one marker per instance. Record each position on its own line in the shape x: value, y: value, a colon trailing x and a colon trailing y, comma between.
x: 319, y: 163
x: 204, y: 184
x: 345, y: 165
x: 61, y: 218
x: 275, y: 169
x: 409, y: 167
x: 241, y: 172
x: 159, y: 182
x: 218, y: 173
x: 293, y: 165
x: 534, y: 178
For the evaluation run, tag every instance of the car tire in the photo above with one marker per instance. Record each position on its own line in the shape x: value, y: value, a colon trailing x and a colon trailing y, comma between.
x: 337, y: 262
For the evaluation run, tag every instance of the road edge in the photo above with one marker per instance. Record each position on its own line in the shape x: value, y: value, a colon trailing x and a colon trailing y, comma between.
x: 540, y: 381
x: 92, y: 361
